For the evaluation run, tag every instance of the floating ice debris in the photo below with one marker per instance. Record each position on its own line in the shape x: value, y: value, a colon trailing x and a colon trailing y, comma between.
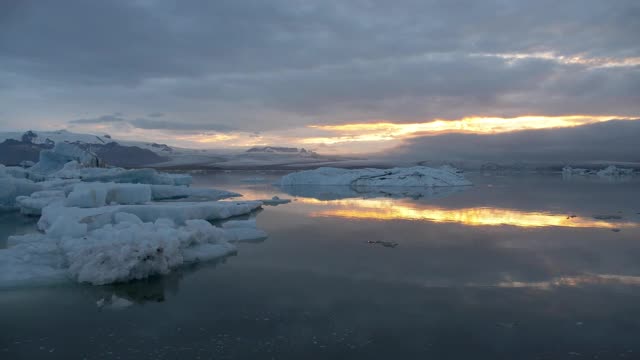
x: 114, y: 303
x: 507, y: 325
x: 244, y: 231
x: 420, y: 176
x: 609, y: 171
x: 614, y: 171
x: 274, y: 201
x: 388, y: 244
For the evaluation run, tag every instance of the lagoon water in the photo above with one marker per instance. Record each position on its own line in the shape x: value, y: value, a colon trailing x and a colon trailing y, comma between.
x: 523, y: 266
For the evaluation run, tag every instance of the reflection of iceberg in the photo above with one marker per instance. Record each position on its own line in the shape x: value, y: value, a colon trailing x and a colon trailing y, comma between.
x: 154, y: 289
x: 328, y: 192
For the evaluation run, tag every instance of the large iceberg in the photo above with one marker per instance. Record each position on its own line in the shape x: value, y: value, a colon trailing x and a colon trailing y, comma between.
x: 418, y: 176
x: 127, y: 249
x: 55, y: 159
x: 62, y: 220
x: 101, y: 225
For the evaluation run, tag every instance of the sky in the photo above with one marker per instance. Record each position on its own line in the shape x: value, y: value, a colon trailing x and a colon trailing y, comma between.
x: 354, y: 76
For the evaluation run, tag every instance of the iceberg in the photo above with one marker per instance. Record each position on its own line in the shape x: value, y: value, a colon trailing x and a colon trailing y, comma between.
x: 104, y: 225
x: 129, y: 249
x: 610, y: 171
x: 244, y: 231
x: 335, y: 192
x: 418, y: 176
x: 613, y: 171
x: 61, y: 220
x: 275, y: 201
x: 34, y: 203
x: 11, y: 188
x: 55, y: 159
x: 171, y: 192
x: 90, y: 195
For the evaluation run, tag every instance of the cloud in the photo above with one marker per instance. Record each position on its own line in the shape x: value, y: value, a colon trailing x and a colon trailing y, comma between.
x: 607, y: 141
x: 143, y: 123
x: 156, y: 115
x: 99, y: 120
x: 153, y: 124
x: 283, y: 64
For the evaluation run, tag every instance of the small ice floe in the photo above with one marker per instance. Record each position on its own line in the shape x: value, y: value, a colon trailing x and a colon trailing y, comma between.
x: 611, y: 171
x: 274, y: 201
x: 419, y: 176
x: 389, y: 244
x: 114, y: 303
x: 244, y: 231
x: 507, y: 325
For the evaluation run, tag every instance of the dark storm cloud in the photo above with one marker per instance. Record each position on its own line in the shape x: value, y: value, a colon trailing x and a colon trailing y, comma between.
x: 282, y: 63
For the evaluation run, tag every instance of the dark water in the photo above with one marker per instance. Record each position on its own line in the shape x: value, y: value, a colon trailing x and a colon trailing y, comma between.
x: 515, y: 267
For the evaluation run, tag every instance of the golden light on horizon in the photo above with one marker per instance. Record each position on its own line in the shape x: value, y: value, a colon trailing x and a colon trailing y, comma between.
x: 385, y: 131
x: 385, y: 209
x: 578, y: 59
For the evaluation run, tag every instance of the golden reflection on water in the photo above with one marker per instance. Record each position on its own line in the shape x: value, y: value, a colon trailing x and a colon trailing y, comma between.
x: 388, y: 209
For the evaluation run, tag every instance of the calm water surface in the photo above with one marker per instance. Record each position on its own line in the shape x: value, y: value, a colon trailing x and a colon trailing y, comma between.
x: 515, y: 267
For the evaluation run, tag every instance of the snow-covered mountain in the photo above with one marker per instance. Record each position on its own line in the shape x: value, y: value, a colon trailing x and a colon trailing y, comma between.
x: 16, y: 147
x: 281, y: 150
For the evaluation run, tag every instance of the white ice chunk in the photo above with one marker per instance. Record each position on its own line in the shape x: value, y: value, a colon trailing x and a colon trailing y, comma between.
x: 613, y: 171
x: 32, y: 259
x: 90, y: 195
x: 10, y: 188
x: 136, y: 251
x: 165, y: 192
x: 244, y: 231
x: 33, y: 204
x: 179, y: 212
x: 55, y: 159
x: 419, y: 176
x: 274, y: 201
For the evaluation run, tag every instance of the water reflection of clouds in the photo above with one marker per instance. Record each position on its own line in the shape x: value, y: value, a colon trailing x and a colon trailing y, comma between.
x: 387, y: 209
x: 386, y: 204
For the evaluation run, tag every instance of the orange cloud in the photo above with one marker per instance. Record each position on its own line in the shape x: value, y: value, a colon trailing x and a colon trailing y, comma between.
x: 386, y: 131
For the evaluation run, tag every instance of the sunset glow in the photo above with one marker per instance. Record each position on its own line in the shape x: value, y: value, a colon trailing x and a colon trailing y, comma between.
x: 384, y: 131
